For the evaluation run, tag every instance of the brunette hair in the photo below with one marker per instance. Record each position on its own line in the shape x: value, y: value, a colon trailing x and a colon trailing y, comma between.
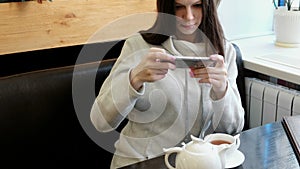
x: 164, y: 26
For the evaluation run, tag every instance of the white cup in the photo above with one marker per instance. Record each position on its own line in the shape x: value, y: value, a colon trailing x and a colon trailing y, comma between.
x: 221, y: 138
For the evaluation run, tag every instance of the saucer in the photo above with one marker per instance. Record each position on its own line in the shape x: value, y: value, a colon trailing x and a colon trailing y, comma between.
x: 235, y: 160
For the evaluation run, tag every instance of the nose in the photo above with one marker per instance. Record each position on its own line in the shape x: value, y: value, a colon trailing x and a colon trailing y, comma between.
x: 189, y: 13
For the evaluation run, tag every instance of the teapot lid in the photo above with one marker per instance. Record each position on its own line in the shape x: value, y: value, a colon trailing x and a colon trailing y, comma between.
x: 198, y: 145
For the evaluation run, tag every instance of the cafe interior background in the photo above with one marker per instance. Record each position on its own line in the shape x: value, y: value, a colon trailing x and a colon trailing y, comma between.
x: 37, y: 37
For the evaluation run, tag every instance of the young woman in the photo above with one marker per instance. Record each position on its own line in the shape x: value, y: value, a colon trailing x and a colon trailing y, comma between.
x: 164, y: 104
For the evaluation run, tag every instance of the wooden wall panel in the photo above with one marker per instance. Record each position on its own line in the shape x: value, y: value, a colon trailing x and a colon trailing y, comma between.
x: 27, y: 26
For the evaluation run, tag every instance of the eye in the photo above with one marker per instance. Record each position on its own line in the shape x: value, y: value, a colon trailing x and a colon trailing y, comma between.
x: 178, y: 6
x: 198, y: 5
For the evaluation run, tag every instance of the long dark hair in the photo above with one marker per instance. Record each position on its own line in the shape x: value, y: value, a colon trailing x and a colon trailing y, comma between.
x: 164, y: 26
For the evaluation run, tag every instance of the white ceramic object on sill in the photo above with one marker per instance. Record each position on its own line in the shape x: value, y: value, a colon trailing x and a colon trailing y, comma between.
x: 287, y: 27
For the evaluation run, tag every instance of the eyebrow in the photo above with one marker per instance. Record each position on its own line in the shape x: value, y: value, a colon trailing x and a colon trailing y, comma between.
x: 177, y: 3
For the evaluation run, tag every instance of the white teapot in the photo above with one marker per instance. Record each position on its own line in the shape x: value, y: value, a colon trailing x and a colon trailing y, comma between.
x: 197, y: 154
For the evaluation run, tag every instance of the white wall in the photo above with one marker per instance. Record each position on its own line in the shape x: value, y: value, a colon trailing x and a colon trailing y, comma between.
x: 296, y: 3
x: 246, y: 18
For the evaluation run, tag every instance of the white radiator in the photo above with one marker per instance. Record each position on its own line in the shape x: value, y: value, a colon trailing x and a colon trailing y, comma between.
x: 268, y: 102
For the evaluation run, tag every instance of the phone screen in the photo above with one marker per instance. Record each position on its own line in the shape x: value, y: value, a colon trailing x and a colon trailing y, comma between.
x: 193, y: 62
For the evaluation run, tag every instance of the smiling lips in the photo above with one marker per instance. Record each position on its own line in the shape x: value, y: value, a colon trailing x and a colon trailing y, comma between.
x: 188, y: 26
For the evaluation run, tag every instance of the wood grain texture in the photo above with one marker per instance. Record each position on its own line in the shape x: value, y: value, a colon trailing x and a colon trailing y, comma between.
x: 27, y: 26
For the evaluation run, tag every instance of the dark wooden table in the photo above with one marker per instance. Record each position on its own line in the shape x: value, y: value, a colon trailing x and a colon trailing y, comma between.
x: 265, y: 147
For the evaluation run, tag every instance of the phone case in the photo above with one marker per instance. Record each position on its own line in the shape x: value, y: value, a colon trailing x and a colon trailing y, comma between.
x: 193, y: 62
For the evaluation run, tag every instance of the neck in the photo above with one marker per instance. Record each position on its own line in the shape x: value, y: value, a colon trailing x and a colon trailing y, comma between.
x: 190, y: 38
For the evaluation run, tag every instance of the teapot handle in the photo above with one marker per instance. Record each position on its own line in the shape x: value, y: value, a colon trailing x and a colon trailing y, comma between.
x: 168, y: 152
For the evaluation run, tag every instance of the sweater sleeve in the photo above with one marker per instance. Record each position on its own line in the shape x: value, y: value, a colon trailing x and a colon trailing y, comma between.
x: 228, y: 112
x: 117, y: 97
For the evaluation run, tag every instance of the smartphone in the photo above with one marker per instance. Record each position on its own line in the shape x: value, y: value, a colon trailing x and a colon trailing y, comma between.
x: 193, y: 62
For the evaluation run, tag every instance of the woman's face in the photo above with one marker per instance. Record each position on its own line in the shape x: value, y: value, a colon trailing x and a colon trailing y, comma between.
x: 189, y: 17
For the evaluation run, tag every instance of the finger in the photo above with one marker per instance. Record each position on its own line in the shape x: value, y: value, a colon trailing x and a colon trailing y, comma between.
x: 204, y: 80
x: 167, y: 58
x: 217, y: 71
x: 155, y: 49
x: 219, y: 60
x: 163, y: 57
x: 213, y: 82
x: 164, y: 65
x: 156, y: 71
x: 162, y: 61
x: 211, y: 76
x: 211, y: 71
x: 162, y: 71
x: 202, y: 72
x: 161, y: 54
x: 156, y: 75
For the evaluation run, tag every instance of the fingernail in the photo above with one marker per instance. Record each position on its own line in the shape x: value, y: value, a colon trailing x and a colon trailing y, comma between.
x: 213, y: 56
x: 172, y: 57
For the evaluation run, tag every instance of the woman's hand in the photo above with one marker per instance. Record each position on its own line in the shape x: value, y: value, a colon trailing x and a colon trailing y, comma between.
x: 153, y: 67
x: 217, y: 76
